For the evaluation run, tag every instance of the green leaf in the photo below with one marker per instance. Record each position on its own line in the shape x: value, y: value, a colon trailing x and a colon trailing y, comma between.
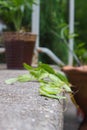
x: 25, y: 78
x: 55, y: 79
x: 46, y: 67
x: 67, y: 88
x: 27, y: 67
x: 39, y: 74
x: 50, y: 88
x: 62, y: 77
x: 43, y: 93
x: 73, y: 35
x: 11, y: 80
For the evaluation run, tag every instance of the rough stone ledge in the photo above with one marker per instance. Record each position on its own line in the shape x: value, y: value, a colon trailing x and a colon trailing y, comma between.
x: 22, y: 108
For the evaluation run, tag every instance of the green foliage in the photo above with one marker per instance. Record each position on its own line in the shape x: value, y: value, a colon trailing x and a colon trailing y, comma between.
x: 52, y: 83
x: 81, y: 52
x: 80, y: 17
x: 12, y: 12
x: 52, y: 20
x: 81, y: 29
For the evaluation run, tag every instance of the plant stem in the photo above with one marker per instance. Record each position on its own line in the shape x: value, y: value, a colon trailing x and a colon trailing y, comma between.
x: 66, y: 43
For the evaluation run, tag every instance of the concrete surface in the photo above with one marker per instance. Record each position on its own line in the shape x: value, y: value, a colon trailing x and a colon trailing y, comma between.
x: 22, y: 108
x: 70, y: 118
x: 71, y: 121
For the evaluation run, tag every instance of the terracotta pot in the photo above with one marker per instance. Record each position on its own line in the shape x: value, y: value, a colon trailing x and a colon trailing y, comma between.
x: 19, y: 49
x: 77, y: 76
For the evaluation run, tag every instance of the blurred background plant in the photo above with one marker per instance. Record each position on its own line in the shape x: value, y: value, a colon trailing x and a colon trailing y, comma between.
x: 52, y: 21
x: 15, y: 13
x: 81, y: 29
x: 53, y: 18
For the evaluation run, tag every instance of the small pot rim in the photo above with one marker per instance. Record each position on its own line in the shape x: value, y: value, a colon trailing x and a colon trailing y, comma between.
x: 79, y: 69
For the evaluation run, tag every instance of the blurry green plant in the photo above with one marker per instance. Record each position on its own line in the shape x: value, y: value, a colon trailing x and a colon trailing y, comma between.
x: 81, y: 18
x: 52, y: 20
x: 81, y: 52
x: 12, y: 12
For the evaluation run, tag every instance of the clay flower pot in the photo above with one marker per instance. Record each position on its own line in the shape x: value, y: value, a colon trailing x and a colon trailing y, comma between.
x: 77, y: 76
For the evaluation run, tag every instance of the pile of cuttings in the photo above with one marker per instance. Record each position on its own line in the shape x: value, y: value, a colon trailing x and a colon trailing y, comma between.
x: 52, y: 83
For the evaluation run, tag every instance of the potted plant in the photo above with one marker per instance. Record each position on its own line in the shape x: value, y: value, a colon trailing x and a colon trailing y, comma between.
x: 19, y: 44
x: 77, y: 76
